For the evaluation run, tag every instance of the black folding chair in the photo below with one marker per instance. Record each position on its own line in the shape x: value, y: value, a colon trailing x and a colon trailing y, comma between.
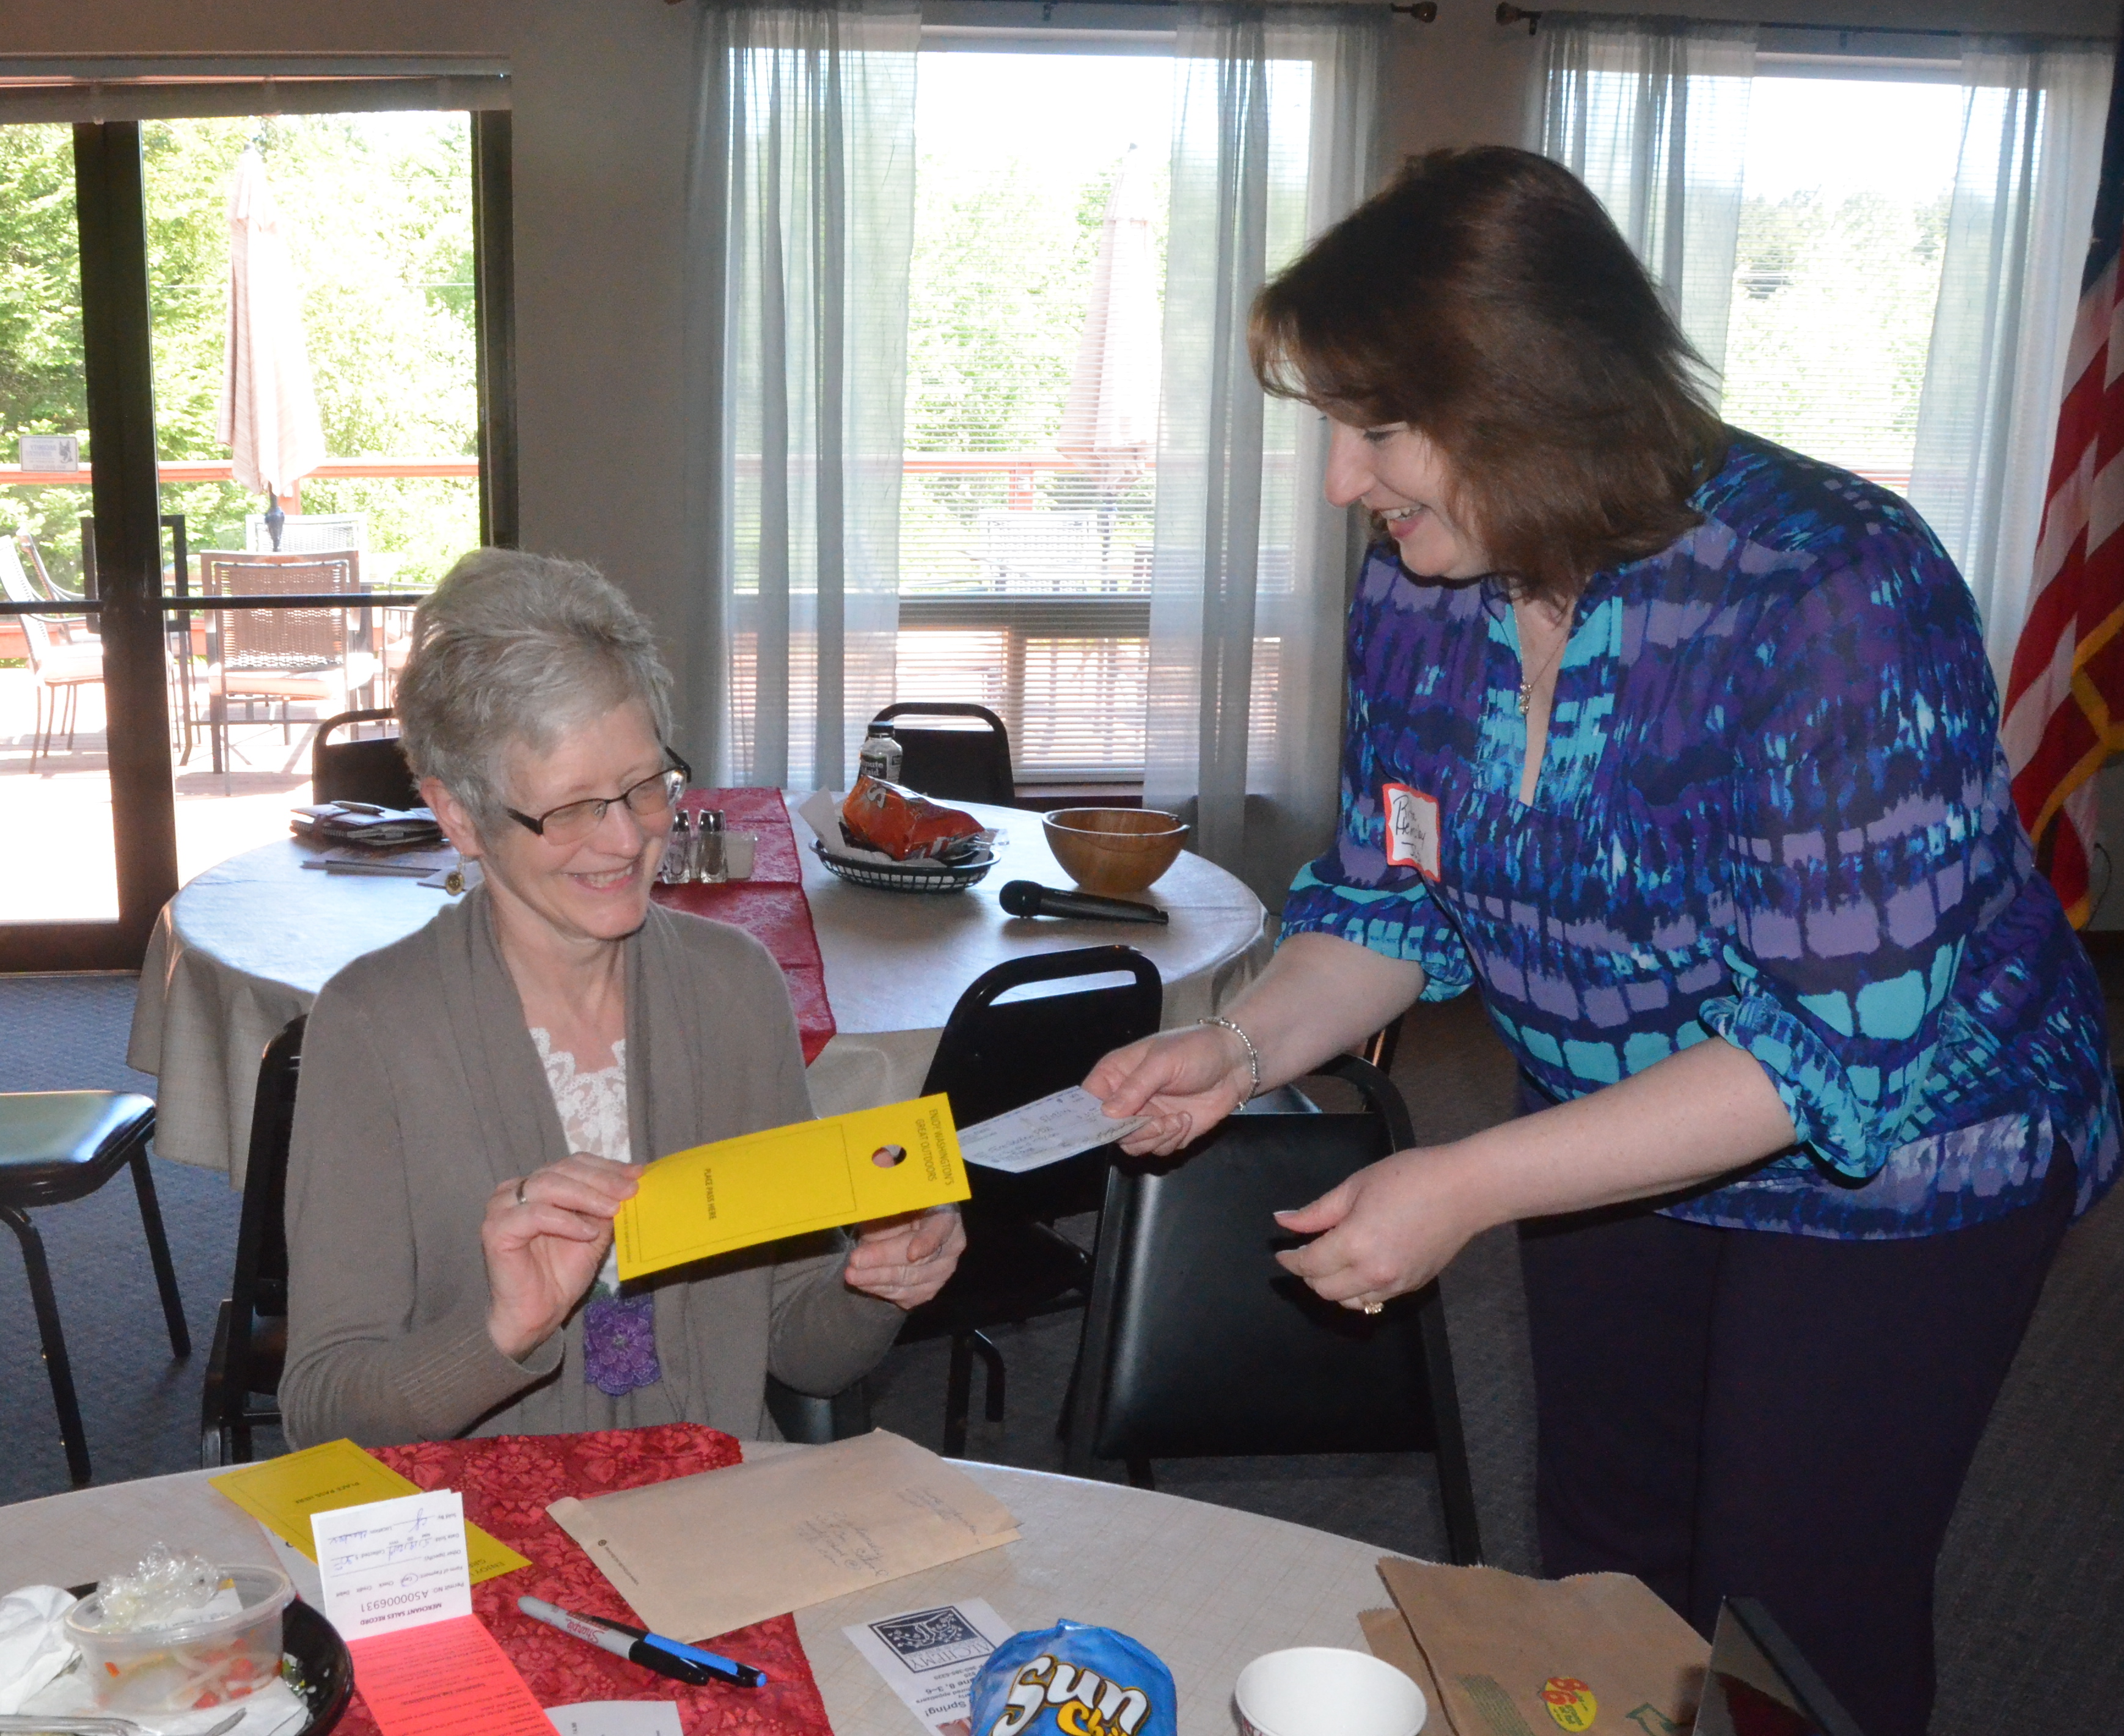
x: 250, y: 1332
x: 56, y: 1147
x: 998, y: 1054
x: 1197, y: 1344
x: 954, y: 763
x: 368, y: 769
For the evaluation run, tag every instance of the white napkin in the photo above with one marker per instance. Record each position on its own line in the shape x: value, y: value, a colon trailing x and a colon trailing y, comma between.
x: 36, y: 1675
x: 33, y: 1644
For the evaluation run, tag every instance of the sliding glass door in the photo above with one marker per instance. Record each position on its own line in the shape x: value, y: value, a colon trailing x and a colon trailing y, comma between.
x: 279, y: 349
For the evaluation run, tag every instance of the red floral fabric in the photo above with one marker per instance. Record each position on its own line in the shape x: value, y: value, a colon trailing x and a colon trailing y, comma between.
x: 507, y: 1481
x: 771, y: 907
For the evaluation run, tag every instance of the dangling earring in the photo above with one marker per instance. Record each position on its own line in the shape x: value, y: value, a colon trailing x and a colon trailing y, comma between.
x: 453, y: 882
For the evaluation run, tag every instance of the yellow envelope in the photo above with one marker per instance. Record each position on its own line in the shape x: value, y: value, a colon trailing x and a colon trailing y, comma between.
x: 789, y: 1181
x: 282, y: 1493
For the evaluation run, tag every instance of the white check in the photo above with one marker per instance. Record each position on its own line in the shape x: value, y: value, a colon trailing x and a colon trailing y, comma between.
x: 1045, y: 1132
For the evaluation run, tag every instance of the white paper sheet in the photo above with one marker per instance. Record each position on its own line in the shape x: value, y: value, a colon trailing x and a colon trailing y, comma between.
x: 929, y: 1658
x: 617, y: 1718
x: 1044, y: 1132
x: 392, y: 1564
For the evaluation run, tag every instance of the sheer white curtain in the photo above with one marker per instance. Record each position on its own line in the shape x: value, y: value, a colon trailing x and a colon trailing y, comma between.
x: 1275, y: 135
x: 803, y: 212
x: 1652, y: 115
x: 2017, y: 234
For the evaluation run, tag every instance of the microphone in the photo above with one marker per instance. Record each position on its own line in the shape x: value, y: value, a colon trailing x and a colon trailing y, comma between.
x: 1030, y: 898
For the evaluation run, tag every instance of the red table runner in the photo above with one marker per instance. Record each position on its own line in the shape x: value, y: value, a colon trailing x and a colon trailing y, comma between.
x: 507, y: 1481
x: 771, y: 907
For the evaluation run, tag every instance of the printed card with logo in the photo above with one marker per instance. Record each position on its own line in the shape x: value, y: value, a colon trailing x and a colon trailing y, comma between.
x: 929, y: 1658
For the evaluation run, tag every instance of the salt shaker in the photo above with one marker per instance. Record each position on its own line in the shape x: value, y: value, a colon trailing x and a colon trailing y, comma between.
x: 707, y: 865
x: 678, y: 852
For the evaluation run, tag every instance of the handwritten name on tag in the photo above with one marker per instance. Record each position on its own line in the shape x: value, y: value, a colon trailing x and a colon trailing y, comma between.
x: 392, y: 1564
x: 1411, y: 828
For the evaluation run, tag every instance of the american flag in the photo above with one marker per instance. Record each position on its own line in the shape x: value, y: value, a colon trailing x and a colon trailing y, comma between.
x: 2064, y: 697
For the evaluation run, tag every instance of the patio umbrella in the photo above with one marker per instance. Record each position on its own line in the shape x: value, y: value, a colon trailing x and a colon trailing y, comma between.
x: 269, y: 411
x: 1110, y: 419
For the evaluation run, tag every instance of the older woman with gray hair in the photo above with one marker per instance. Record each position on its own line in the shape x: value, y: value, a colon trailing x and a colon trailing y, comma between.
x: 475, y: 1098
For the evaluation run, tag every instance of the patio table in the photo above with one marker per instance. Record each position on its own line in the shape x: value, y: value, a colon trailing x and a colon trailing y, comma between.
x: 247, y: 946
x: 1207, y: 1588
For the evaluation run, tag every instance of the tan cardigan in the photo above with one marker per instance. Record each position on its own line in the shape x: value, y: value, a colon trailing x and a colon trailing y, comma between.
x: 421, y: 1091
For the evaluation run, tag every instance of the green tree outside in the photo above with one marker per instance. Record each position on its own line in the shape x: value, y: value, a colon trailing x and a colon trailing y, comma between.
x: 380, y: 209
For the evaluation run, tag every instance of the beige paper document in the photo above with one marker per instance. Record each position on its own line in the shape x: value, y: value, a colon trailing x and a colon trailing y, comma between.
x: 699, y: 1556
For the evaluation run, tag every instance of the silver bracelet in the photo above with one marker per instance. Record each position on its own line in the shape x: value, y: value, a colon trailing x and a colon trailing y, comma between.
x: 1253, y: 1054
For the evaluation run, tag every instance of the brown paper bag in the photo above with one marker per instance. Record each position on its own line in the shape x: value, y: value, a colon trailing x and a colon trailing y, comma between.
x: 1502, y: 1655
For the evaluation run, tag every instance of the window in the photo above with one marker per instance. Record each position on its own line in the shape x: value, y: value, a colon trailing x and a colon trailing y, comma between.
x: 1025, y: 545
x: 1843, y: 228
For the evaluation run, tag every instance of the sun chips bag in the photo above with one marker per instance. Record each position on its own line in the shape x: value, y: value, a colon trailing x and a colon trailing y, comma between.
x: 1071, y: 1680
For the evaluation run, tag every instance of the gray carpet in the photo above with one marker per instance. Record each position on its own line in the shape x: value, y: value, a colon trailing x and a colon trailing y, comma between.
x: 2031, y: 1589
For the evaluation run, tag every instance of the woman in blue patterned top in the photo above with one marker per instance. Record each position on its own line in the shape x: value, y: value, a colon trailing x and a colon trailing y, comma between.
x: 1683, y: 749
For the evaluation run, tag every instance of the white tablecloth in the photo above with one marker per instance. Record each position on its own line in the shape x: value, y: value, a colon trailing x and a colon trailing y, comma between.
x: 245, y: 947
x: 1205, y: 1587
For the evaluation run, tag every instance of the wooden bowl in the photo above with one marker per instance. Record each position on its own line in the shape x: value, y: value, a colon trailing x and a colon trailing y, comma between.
x: 1116, y: 852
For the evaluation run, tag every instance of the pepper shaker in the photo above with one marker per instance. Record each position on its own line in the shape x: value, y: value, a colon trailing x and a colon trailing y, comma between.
x: 708, y: 864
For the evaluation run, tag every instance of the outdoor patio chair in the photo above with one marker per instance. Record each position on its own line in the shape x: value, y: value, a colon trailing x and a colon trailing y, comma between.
x: 41, y: 573
x: 280, y: 656
x: 56, y: 1147
x: 954, y: 763
x: 60, y: 665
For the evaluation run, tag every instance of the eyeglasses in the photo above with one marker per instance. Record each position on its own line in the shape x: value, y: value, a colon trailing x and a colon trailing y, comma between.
x: 573, y: 821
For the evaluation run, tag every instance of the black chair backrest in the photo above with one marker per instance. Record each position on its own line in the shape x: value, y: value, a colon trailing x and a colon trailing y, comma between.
x: 1197, y: 1343
x: 996, y: 1055
x: 371, y: 770
x: 954, y: 764
x: 260, y: 1284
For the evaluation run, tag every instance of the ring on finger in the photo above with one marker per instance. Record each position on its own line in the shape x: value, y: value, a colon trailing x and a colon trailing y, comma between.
x: 520, y: 1181
x: 1375, y: 1307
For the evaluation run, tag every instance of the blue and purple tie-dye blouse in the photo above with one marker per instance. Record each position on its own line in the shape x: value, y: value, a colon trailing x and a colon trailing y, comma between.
x: 1773, y: 808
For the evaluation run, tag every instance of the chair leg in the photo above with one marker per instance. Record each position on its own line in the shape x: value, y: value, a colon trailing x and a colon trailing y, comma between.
x: 958, y: 1395
x: 1456, y: 1483
x: 992, y: 1386
x: 158, y: 1251
x: 1139, y: 1473
x: 56, y: 1365
x: 214, y: 1394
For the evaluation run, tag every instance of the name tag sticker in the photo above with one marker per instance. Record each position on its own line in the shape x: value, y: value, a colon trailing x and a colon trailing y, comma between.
x: 1412, y: 820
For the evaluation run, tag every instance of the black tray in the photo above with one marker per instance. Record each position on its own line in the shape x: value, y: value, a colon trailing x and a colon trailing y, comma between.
x: 918, y: 875
x: 314, y: 1662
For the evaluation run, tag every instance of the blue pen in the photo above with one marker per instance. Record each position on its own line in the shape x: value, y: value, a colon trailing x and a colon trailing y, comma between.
x: 652, y: 1651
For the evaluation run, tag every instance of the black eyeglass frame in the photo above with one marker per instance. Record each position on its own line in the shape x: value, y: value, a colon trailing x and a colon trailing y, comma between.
x: 603, y: 804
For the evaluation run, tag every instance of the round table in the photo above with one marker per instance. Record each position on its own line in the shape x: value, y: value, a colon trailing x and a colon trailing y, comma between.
x: 1205, y: 1587
x: 246, y: 946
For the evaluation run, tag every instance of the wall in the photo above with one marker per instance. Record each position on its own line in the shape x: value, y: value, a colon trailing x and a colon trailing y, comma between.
x: 603, y: 94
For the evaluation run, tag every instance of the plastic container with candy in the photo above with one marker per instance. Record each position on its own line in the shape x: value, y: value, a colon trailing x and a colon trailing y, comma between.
x: 1071, y: 1680
x: 151, y: 1643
